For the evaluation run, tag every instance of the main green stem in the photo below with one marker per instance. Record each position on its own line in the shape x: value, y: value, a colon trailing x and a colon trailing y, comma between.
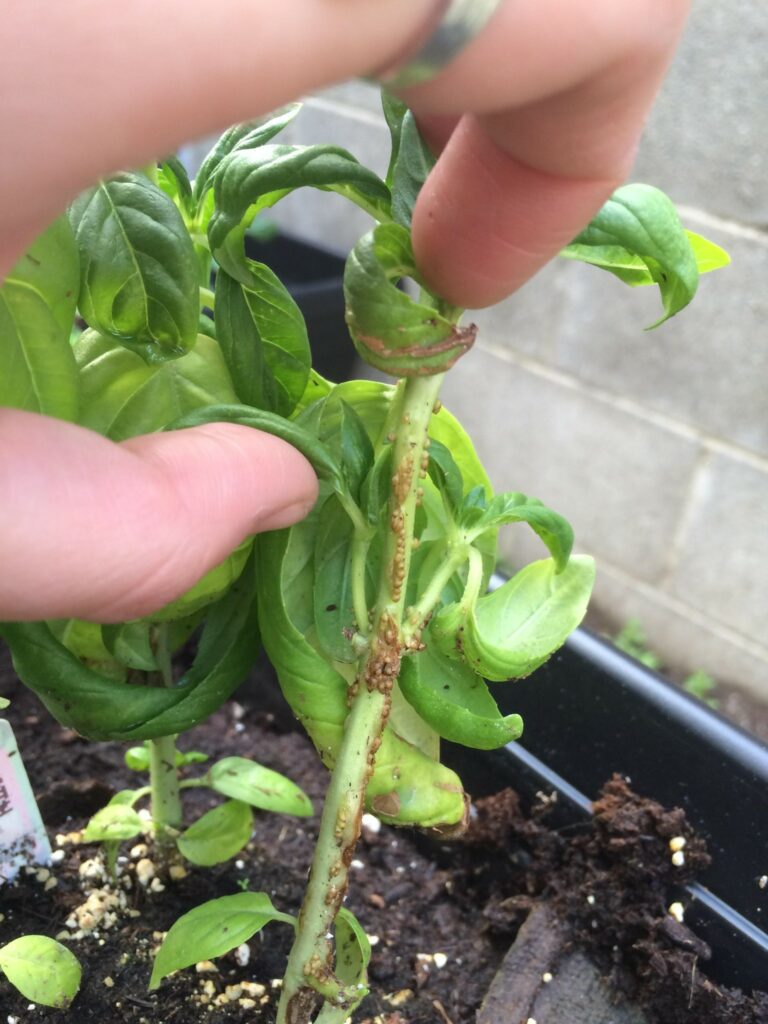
x: 163, y: 774
x: 310, y: 965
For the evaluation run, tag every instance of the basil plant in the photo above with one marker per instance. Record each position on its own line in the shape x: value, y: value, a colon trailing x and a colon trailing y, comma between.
x: 374, y: 610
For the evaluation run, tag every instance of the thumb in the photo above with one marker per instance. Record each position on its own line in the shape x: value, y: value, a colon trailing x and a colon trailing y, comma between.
x: 110, y: 532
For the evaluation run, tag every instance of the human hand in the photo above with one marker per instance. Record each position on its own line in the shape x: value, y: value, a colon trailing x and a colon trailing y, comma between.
x: 537, y: 120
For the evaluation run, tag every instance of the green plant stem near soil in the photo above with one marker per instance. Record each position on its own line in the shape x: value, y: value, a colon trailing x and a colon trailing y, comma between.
x: 167, y: 813
x: 310, y: 965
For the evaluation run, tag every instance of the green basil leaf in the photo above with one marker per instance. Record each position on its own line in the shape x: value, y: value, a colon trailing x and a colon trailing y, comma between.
x: 122, y: 396
x: 264, y: 339
x: 511, y: 632
x: 43, y: 970
x: 172, y: 178
x: 212, y: 930
x: 636, y: 236
x: 219, y: 835
x: 249, y: 135
x: 138, y: 267
x: 390, y: 330
x: 4, y: 703
x: 353, y: 954
x: 244, y: 780
x: 352, y: 442
x: 455, y: 701
x: 113, y: 823
x: 137, y: 758
x: 377, y: 485
x: 334, y: 610
x: 512, y: 507
x: 131, y: 645
x: 413, y: 165
x: 394, y: 113
x: 324, y: 461
x: 251, y: 180
x: 123, y: 798
x: 101, y: 708
x: 446, y: 475
x: 191, y: 757
x: 37, y: 308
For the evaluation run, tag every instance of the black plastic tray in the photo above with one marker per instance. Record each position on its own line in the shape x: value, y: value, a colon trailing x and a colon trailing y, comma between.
x: 592, y: 711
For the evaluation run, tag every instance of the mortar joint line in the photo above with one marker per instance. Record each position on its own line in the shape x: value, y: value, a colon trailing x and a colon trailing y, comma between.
x: 684, y: 518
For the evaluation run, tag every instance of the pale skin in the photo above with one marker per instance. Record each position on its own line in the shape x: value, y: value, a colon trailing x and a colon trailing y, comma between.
x: 537, y: 122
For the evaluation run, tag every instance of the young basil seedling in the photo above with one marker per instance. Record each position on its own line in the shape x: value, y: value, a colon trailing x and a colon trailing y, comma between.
x: 373, y: 610
x: 43, y: 970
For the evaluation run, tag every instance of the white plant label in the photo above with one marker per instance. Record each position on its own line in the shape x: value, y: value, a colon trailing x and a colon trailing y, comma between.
x: 23, y: 839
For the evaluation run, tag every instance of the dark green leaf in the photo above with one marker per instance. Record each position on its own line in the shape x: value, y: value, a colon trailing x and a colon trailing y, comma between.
x: 244, y: 780
x: 131, y: 645
x: 249, y: 135
x: 100, y: 708
x: 264, y: 339
x: 514, y: 630
x: 512, y: 507
x: 43, y: 970
x: 377, y: 486
x: 392, y: 331
x: 218, y: 835
x: 37, y: 308
x: 139, y: 273
x: 212, y: 930
x: 455, y: 701
x: 172, y: 178
x: 412, y: 167
x: 251, y: 180
x: 352, y: 442
x: 638, y: 237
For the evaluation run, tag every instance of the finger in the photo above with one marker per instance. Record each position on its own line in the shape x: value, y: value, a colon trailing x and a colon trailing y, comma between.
x: 150, y: 76
x: 516, y: 182
x: 110, y: 532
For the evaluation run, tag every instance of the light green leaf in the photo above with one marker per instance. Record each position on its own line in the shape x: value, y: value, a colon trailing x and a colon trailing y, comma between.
x: 514, y: 630
x: 353, y: 954
x: 172, y: 178
x: 124, y: 798
x: 113, y: 823
x: 263, y: 338
x: 4, y: 703
x: 455, y: 701
x: 332, y: 592
x: 241, y: 779
x: 638, y: 236
x: 212, y: 930
x: 37, y: 308
x: 43, y: 970
x: 191, y: 757
x: 218, y: 835
x: 137, y: 758
x: 138, y: 267
x: 394, y: 111
x: 392, y: 331
x: 249, y: 135
x: 131, y: 645
x: 446, y: 475
x: 709, y: 256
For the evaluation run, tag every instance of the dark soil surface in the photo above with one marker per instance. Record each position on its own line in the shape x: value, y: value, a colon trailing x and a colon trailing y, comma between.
x: 417, y: 896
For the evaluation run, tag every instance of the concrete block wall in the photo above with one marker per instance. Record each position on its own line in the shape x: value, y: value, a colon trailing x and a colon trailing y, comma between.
x: 655, y: 446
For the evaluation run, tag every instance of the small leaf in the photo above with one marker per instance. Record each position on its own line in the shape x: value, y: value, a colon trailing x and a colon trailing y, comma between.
x: 137, y: 759
x: 263, y: 338
x: 353, y: 954
x: 242, y: 779
x: 124, y: 798
x: 332, y: 592
x: 131, y: 645
x: 4, y: 703
x: 353, y: 444
x: 638, y: 237
x: 37, y: 308
x: 212, y: 930
x: 113, y: 822
x: 218, y: 835
x: 709, y: 256
x: 514, y: 630
x: 446, y: 475
x: 192, y: 757
x: 512, y: 507
x: 42, y: 969
x: 394, y: 113
x: 172, y: 178
x: 377, y: 486
x: 455, y: 701
x: 138, y: 267
x: 413, y: 165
